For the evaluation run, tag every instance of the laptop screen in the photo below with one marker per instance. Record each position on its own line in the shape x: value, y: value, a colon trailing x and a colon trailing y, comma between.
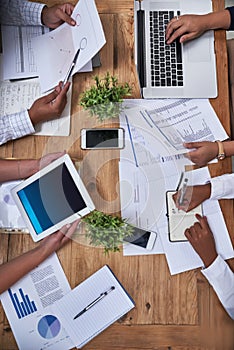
x: 51, y: 199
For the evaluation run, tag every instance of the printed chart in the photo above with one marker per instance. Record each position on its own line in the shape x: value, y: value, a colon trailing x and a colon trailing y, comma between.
x: 49, y: 327
x: 24, y: 307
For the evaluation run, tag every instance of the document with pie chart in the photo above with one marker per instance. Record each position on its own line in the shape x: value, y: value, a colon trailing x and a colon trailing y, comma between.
x: 28, y: 307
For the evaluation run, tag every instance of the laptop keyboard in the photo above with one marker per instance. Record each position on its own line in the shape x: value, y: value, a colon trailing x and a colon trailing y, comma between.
x: 166, y: 60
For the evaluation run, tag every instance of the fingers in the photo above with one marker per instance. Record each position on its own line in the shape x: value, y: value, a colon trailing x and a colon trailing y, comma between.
x: 65, y: 14
x: 190, y: 145
x: 72, y: 229
x: 61, y: 98
x: 50, y: 97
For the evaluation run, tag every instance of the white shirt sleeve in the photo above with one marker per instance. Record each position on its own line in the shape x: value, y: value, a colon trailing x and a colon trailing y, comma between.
x: 14, y: 126
x: 20, y: 12
x: 221, y: 277
x: 222, y: 187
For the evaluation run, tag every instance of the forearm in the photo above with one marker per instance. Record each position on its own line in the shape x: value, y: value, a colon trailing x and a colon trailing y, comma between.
x: 15, y: 269
x: 17, y: 169
x: 217, y: 20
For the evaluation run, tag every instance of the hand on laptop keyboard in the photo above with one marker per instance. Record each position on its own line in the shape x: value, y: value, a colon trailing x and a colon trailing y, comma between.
x: 189, y: 27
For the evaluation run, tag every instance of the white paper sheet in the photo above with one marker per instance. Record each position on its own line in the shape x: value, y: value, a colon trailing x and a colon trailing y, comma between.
x: 105, y: 312
x: 37, y: 328
x: 19, y: 95
x: 168, y: 123
x: 55, y: 51
x: 19, y: 59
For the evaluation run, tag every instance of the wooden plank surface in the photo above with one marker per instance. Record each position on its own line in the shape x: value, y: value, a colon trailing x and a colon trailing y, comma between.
x: 172, y: 312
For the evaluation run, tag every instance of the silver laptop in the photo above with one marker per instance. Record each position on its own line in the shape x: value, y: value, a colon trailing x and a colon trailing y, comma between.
x: 178, y: 70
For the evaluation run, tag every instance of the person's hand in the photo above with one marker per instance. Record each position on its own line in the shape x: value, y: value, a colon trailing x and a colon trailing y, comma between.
x: 55, y: 15
x: 194, y: 196
x: 185, y: 27
x: 49, y: 158
x: 202, y: 240
x: 204, y: 152
x: 50, y: 106
x: 58, y: 239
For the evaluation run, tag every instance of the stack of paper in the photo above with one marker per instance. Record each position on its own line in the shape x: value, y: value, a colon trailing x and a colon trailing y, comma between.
x: 151, y: 164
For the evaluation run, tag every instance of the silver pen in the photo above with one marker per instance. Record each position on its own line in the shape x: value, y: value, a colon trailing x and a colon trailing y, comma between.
x: 183, y: 191
x: 69, y: 72
x: 101, y: 296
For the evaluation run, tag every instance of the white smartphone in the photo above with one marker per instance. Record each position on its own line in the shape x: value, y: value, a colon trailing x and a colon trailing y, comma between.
x: 102, y: 138
x: 142, y: 238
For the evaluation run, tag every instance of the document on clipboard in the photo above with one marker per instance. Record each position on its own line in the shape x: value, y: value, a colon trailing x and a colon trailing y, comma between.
x: 179, y: 220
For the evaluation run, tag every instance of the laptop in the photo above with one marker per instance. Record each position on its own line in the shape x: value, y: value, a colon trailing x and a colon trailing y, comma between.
x: 185, y: 70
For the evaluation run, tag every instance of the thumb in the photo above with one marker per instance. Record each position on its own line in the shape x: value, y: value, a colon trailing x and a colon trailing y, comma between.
x: 192, y: 144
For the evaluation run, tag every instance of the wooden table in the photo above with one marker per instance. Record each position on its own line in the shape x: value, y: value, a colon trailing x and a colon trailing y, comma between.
x: 172, y: 312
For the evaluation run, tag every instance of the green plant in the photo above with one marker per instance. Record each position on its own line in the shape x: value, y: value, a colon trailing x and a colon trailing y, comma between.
x: 104, y: 99
x: 106, y: 230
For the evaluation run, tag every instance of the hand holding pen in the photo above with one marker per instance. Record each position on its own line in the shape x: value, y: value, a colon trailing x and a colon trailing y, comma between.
x: 50, y: 106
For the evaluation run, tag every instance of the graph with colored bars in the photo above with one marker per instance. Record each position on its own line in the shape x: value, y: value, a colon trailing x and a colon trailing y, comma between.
x: 22, y: 305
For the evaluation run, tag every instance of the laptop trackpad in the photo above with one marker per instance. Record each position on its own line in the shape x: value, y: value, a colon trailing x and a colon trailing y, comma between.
x: 198, y: 50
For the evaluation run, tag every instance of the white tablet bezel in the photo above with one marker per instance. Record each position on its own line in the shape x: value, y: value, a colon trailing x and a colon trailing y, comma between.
x: 80, y: 186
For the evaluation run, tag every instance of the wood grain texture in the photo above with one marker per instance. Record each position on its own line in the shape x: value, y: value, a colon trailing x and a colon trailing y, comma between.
x: 178, y: 312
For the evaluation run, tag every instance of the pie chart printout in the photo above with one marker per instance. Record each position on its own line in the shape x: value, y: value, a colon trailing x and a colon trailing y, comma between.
x: 49, y: 326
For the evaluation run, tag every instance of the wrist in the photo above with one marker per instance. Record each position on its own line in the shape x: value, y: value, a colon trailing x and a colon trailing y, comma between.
x: 206, y: 189
x: 221, y: 153
x: 27, y: 168
x: 44, y: 15
x: 208, y: 260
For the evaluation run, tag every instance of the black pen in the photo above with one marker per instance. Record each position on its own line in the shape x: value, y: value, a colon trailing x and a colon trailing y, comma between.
x: 69, y: 72
x: 101, y: 296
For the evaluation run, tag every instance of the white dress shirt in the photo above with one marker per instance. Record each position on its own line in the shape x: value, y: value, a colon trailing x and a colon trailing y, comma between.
x: 221, y: 277
x: 18, y: 12
x: 222, y: 187
x: 219, y: 274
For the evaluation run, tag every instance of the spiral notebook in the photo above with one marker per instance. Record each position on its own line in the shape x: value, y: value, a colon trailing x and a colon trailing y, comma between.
x: 93, y: 306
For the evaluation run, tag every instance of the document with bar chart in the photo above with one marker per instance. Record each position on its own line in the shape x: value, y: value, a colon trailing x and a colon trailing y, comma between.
x: 27, y: 305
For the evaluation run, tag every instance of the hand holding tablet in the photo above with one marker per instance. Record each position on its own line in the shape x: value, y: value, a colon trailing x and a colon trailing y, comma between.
x: 52, y: 198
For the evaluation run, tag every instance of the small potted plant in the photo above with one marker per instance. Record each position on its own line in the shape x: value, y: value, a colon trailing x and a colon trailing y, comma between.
x: 104, y: 99
x: 106, y: 231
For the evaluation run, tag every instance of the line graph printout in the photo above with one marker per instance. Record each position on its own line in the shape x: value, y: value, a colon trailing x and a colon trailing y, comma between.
x: 18, y: 54
x: 55, y: 50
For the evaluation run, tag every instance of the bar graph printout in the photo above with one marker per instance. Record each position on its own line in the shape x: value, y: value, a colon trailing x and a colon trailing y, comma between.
x: 18, y: 55
x: 171, y: 122
x: 28, y: 307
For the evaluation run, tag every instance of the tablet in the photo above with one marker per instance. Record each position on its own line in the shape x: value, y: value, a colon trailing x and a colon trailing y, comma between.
x: 52, y: 197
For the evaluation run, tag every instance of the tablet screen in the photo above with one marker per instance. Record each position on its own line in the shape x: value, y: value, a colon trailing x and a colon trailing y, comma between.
x: 51, y: 198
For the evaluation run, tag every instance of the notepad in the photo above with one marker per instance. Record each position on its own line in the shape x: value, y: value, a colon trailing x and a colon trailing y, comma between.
x: 179, y: 220
x: 98, y: 317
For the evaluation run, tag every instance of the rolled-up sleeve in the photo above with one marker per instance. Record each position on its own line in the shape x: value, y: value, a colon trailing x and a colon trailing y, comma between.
x: 14, y: 126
